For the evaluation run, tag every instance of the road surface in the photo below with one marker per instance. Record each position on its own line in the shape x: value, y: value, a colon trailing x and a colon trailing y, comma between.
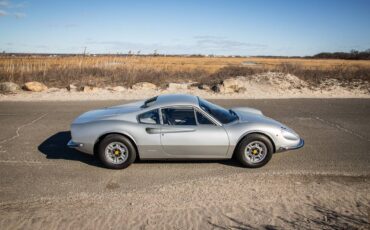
x: 35, y: 163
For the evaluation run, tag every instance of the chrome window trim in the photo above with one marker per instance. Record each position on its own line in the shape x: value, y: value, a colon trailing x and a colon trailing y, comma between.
x: 179, y: 107
x: 147, y: 111
x: 210, y: 118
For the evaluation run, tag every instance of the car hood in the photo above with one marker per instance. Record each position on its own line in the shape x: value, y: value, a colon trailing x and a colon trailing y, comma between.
x: 247, y: 114
x: 108, y: 112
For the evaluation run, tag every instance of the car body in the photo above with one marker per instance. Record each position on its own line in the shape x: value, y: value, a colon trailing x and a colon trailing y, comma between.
x: 179, y: 126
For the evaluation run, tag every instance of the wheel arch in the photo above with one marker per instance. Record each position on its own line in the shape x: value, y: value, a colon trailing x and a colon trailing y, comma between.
x: 255, y: 132
x: 101, y: 137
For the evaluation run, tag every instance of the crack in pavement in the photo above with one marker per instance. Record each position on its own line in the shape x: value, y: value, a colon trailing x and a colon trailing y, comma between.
x: 17, y: 132
x: 334, y: 125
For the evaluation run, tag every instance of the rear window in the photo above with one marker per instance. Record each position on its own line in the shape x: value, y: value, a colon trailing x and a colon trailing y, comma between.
x: 149, y: 102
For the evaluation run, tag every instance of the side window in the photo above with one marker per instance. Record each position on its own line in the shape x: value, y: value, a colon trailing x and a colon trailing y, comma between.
x: 203, y: 120
x: 151, y: 117
x: 178, y: 116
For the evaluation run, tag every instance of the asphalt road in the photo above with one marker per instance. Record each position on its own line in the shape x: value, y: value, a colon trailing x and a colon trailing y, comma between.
x: 35, y: 162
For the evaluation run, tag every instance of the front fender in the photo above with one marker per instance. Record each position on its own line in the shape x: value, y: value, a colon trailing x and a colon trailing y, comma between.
x: 269, y: 135
x: 238, y: 131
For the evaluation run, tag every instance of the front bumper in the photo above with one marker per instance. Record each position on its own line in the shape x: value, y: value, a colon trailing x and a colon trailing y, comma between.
x: 72, y: 144
x: 298, y: 146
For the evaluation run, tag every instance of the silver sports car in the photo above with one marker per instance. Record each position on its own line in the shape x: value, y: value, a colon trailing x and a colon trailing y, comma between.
x: 178, y: 126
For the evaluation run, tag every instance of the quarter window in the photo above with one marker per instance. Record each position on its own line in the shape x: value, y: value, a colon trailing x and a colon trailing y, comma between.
x: 151, y: 117
x: 203, y: 120
x: 178, y: 116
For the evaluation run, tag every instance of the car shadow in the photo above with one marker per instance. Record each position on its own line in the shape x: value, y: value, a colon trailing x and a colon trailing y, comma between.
x: 230, y: 162
x: 55, y: 147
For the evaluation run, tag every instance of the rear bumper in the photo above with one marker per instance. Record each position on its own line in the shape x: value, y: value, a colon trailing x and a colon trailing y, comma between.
x: 72, y: 144
x: 298, y: 146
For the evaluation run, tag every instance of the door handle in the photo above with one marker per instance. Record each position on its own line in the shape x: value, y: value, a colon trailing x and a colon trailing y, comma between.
x: 177, y: 130
x: 153, y: 130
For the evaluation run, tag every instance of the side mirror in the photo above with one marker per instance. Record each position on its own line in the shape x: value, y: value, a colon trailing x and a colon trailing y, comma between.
x: 147, y: 120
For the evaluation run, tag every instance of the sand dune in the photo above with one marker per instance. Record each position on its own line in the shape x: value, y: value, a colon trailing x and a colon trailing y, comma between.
x: 265, y: 85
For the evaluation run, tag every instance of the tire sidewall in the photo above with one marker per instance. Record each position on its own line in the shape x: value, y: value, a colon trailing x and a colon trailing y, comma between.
x: 248, y: 139
x: 116, y: 138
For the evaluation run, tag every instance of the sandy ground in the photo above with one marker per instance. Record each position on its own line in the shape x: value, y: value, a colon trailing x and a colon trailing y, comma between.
x: 241, y: 201
x: 268, y: 85
x: 129, y: 94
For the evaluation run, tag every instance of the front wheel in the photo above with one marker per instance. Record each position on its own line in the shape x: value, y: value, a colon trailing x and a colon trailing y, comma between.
x: 116, y: 152
x: 254, y: 151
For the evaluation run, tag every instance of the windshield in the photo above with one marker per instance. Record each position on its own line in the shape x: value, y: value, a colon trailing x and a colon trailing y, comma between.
x: 221, y: 114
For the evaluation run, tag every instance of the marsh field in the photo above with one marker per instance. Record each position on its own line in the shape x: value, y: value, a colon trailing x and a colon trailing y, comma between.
x: 110, y: 70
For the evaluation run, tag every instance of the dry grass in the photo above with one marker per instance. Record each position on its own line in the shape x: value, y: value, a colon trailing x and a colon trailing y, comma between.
x: 322, y: 64
x: 127, y: 70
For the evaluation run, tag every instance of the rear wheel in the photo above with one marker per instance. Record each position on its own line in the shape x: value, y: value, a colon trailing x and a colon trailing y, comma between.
x: 116, y: 152
x: 254, y: 151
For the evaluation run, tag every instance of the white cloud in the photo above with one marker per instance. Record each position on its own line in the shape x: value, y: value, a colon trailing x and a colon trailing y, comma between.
x: 6, y: 7
x: 4, y: 3
x: 3, y: 13
x: 70, y: 25
x: 217, y: 42
x: 19, y: 15
x: 19, y: 5
x: 200, y: 37
x: 9, y: 4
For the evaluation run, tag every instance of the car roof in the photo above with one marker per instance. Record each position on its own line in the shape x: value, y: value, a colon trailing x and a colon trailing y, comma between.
x: 176, y: 99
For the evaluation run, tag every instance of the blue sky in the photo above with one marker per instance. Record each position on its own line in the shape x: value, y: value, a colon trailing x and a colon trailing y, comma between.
x: 222, y: 27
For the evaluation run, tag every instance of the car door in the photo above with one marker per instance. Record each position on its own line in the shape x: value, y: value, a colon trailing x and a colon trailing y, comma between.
x: 149, y: 132
x: 182, y: 136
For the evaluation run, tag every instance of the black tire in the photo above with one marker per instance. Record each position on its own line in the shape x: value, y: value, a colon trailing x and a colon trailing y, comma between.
x: 240, y: 151
x: 116, y: 138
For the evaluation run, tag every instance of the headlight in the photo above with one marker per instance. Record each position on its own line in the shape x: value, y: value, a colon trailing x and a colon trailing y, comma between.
x: 289, y: 135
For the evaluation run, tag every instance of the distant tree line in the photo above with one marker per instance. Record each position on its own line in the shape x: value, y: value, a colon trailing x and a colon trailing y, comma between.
x: 352, y: 55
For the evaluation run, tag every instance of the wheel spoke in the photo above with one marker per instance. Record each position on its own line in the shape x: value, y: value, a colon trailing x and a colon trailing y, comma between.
x: 252, y: 155
x: 119, y: 158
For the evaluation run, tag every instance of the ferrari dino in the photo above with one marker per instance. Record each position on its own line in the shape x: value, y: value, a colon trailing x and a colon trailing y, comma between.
x: 180, y: 126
